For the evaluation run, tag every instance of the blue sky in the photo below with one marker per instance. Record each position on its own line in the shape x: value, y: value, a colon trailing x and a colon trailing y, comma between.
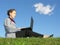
x: 43, y: 23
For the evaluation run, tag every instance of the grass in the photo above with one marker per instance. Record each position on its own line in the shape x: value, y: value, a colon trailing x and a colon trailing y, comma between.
x: 29, y: 41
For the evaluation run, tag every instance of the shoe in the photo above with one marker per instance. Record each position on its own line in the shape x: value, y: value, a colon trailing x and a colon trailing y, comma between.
x: 51, y: 35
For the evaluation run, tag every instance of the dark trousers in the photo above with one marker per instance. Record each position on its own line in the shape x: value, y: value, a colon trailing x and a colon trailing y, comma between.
x: 27, y: 33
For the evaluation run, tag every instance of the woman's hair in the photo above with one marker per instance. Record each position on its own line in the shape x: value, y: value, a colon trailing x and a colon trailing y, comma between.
x: 9, y: 11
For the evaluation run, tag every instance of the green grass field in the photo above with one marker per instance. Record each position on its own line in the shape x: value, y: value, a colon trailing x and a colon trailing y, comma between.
x: 29, y: 41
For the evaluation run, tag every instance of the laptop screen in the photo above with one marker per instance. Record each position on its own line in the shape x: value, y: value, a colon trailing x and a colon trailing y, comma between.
x: 31, y: 24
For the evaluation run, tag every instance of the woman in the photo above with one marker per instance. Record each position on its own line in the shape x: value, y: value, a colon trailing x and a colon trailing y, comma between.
x: 9, y: 24
x: 11, y: 29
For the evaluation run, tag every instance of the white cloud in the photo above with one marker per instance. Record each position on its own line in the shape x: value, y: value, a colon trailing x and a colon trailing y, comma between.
x: 42, y: 9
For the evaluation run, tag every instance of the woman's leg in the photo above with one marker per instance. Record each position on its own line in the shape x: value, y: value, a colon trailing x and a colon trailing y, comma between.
x: 20, y: 34
x: 34, y: 34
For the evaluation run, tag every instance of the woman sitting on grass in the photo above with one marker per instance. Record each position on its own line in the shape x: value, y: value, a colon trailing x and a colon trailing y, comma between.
x: 11, y: 29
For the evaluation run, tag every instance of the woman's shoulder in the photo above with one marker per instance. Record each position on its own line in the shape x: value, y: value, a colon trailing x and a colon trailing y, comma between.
x: 7, y: 19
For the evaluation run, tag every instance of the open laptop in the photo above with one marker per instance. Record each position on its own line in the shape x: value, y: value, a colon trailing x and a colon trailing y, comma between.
x: 31, y: 25
x: 20, y: 34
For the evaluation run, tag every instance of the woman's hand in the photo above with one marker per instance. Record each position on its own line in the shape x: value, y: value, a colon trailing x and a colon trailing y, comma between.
x: 19, y: 28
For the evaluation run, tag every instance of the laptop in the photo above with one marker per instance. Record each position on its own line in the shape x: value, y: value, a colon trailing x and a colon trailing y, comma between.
x: 31, y: 25
x: 21, y: 33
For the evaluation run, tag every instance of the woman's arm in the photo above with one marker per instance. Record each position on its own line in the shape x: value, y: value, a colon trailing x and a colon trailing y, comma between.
x: 10, y: 27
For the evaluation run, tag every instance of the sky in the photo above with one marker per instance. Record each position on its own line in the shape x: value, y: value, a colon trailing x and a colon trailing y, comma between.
x: 46, y: 15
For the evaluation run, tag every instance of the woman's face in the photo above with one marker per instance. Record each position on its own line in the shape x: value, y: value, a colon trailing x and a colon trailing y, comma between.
x: 13, y: 14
